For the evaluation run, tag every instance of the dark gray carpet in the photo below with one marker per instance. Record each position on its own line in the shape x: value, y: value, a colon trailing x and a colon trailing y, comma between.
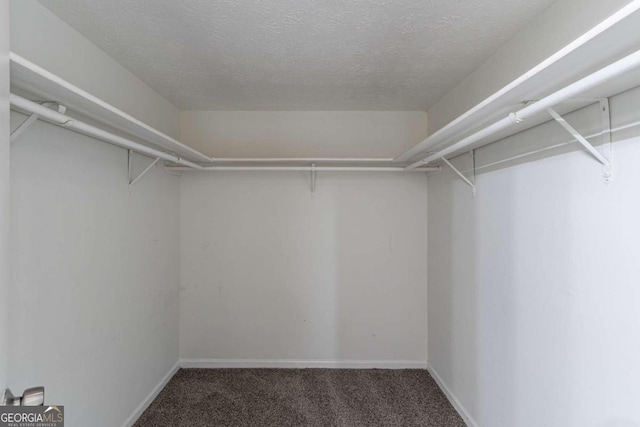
x: 300, y: 397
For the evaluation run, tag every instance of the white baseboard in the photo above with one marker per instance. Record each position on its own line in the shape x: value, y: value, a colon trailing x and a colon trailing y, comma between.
x: 154, y: 393
x: 299, y: 364
x: 452, y: 398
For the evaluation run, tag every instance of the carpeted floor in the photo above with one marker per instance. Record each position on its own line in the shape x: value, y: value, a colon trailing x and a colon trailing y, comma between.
x: 300, y: 397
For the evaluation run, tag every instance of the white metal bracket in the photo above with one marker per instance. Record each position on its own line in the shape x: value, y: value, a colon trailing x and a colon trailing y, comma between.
x: 132, y: 181
x: 461, y: 175
x: 32, y: 119
x: 129, y: 167
x: 313, y: 178
x: 23, y: 126
x: 607, y: 142
x: 606, y: 122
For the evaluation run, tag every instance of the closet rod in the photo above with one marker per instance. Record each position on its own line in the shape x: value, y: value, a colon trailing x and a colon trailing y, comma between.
x: 310, y: 168
x: 87, y: 129
x: 453, y: 127
x: 300, y: 160
x: 603, y: 75
x: 90, y: 130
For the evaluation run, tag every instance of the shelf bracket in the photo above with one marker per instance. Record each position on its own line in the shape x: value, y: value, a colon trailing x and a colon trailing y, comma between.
x: 129, y: 167
x: 461, y: 175
x: 132, y: 181
x: 23, y: 127
x: 607, y: 142
x: 34, y: 118
x: 608, y: 170
x: 313, y: 178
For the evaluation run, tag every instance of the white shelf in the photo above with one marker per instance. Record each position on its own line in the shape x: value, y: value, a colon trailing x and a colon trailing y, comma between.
x: 33, y: 82
x: 605, y: 43
x: 609, y: 41
x: 38, y: 82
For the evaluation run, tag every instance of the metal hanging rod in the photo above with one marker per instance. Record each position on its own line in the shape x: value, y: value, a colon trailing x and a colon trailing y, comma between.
x: 617, y: 68
x: 605, y: 134
x: 309, y: 168
x: 313, y: 169
x: 299, y: 160
x: 457, y: 125
x: 87, y: 129
x: 39, y: 111
x: 25, y: 71
x: 29, y: 74
x: 605, y: 74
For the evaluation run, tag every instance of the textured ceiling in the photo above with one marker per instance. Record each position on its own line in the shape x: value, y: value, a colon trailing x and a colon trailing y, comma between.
x: 299, y: 54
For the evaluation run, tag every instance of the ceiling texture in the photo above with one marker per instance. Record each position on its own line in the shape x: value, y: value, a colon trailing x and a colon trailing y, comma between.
x: 299, y: 54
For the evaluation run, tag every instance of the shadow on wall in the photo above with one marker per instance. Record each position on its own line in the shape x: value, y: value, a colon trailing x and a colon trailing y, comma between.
x: 548, y: 253
x: 487, y: 306
x: 89, y: 260
x: 496, y: 318
x: 453, y: 292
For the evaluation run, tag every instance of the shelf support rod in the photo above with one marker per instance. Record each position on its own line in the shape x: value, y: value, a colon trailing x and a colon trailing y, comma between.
x: 582, y: 140
x: 306, y: 168
x: 603, y: 75
x: 23, y: 104
x: 148, y: 168
x: 473, y: 169
x: 23, y: 127
x: 34, y: 118
x: 313, y: 178
x: 129, y: 166
x: 461, y: 175
x: 605, y: 117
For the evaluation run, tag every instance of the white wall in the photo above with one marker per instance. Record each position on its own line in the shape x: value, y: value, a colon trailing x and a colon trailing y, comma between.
x: 41, y: 37
x: 303, y: 133
x: 270, y: 272
x: 4, y: 191
x: 94, y: 302
x: 533, y: 285
x: 560, y: 24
